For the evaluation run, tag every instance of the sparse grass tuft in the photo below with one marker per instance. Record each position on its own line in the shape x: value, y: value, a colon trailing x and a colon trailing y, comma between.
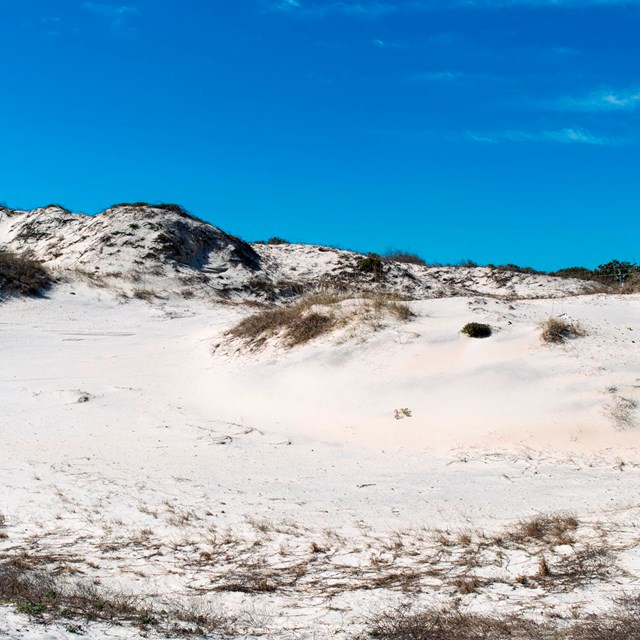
x: 622, y: 412
x: 554, y: 528
x: 557, y: 330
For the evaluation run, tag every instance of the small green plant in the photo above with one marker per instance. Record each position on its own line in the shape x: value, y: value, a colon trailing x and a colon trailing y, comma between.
x: 146, y: 619
x: 401, y: 414
x: 31, y: 608
x: 404, y: 257
x: 476, y: 330
x: 371, y: 263
x: 276, y: 240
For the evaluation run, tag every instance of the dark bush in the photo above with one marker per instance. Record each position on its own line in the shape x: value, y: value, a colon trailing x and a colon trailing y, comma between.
x: 476, y: 330
x: 276, y: 240
x: 22, y: 275
x: 517, y: 269
x: 56, y: 206
x: 404, y: 258
x: 371, y: 263
x: 580, y: 273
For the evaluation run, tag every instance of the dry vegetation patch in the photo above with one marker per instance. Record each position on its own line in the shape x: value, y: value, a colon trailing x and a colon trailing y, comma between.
x: 43, y: 594
x: 557, y: 330
x: 554, y: 528
x: 21, y: 274
x: 315, y: 316
x: 452, y: 624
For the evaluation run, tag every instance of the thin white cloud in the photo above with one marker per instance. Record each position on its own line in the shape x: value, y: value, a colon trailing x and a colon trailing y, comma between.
x: 378, y: 8
x: 438, y: 76
x: 386, y: 44
x: 571, y: 135
x: 284, y: 5
x: 324, y: 9
x: 603, y: 100
x: 116, y: 14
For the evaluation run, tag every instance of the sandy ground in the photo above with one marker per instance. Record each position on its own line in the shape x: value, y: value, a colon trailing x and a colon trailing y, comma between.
x: 143, y: 461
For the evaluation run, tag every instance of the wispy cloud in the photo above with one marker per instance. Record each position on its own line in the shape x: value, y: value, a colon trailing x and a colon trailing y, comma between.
x: 116, y: 14
x: 386, y: 44
x: 438, y: 76
x: 324, y: 9
x: 603, y: 100
x: 378, y: 8
x: 570, y: 135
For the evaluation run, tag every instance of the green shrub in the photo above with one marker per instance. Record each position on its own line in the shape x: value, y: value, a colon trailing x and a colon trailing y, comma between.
x: 276, y: 240
x: 580, y: 273
x: 616, y: 271
x: 517, y: 269
x: 371, y: 263
x: 476, y: 330
x: 404, y: 258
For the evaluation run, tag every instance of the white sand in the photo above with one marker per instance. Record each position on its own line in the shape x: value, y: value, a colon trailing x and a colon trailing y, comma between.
x: 117, y: 418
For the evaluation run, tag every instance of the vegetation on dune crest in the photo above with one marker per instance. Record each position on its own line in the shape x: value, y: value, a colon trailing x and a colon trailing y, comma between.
x: 404, y: 257
x: 371, y: 263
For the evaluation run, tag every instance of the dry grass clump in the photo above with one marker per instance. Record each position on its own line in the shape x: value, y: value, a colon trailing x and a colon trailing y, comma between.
x: 381, y: 305
x: 554, y: 528
x: 632, y: 283
x: 556, y: 330
x: 621, y: 624
x: 21, y: 274
x: 297, y: 323
x: 313, y: 317
x: 452, y: 625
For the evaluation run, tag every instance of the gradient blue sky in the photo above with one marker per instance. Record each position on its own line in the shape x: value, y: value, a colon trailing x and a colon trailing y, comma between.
x: 498, y: 130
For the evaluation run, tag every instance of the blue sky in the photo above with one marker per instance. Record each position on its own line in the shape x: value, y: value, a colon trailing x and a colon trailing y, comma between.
x: 498, y: 130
